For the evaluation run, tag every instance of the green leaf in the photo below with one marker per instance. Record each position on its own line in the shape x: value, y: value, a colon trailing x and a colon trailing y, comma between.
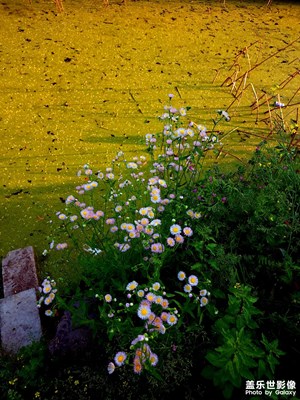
x: 252, y: 324
x: 272, y: 361
x: 246, y: 361
x: 219, y: 294
x: 253, y: 351
x: 189, y: 311
x: 236, y: 362
x: 215, y: 359
x: 181, y: 294
x: 227, y: 350
x: 154, y: 373
x: 265, y: 341
x: 227, y: 392
x: 214, y: 264
x: 197, y: 267
x: 261, y: 368
x: 220, y: 378
x: 211, y: 248
x: 235, y: 377
x: 208, y: 372
x: 240, y: 322
x: 246, y: 373
x: 224, y: 323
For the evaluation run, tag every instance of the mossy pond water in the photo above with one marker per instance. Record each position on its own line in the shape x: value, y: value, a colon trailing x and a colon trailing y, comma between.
x: 78, y: 86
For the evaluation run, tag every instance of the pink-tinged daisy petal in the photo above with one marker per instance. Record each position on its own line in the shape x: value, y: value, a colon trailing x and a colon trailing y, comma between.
x: 187, y: 231
x: 165, y: 303
x: 153, y: 359
x: 151, y: 297
x: 131, y: 285
x: 179, y: 238
x: 171, y: 242
x: 164, y: 316
x: 111, y: 367
x: 108, y: 298
x: 156, y: 286
x: 172, y: 319
x: 144, y: 311
x: 181, y: 275
x: 203, y: 301
x: 120, y: 358
x: 137, y: 365
x: 193, y: 280
x: 175, y: 229
x: 187, y: 288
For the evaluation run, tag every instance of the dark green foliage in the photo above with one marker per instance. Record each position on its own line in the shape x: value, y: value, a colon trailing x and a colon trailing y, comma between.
x: 245, y: 251
x: 240, y: 354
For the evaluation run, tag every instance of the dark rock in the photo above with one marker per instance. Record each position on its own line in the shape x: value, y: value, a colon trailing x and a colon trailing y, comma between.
x: 19, y: 271
x: 20, y: 323
x: 68, y: 341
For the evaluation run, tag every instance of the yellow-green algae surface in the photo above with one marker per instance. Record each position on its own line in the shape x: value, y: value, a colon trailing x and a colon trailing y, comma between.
x: 75, y: 87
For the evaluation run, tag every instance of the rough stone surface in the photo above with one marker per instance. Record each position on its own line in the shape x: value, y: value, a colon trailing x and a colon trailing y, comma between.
x: 20, y: 320
x: 19, y: 271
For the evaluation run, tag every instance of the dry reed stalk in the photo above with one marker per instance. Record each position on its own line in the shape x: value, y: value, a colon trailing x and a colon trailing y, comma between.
x: 281, y: 113
x: 106, y: 2
x: 291, y: 62
x: 236, y: 60
x: 232, y: 78
x: 177, y: 90
x: 242, y: 92
x: 264, y: 102
x: 270, y: 114
x: 234, y: 100
x: 227, y: 79
x: 59, y: 5
x: 288, y: 80
x: 229, y: 133
x: 243, y: 52
x: 252, y: 134
x: 243, y: 82
x: 256, y: 99
x: 287, y: 114
x: 227, y: 153
x: 268, y: 58
x: 248, y: 58
x: 217, y: 73
x: 234, y: 82
x: 289, y: 102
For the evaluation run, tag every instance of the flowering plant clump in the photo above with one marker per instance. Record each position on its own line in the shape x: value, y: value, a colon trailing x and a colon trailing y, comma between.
x: 127, y: 222
x: 190, y: 286
x: 129, y: 204
x: 152, y: 306
x: 47, y: 292
x: 134, y: 227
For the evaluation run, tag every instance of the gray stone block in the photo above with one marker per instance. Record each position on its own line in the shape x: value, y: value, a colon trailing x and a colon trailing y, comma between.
x: 19, y: 271
x: 20, y: 321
